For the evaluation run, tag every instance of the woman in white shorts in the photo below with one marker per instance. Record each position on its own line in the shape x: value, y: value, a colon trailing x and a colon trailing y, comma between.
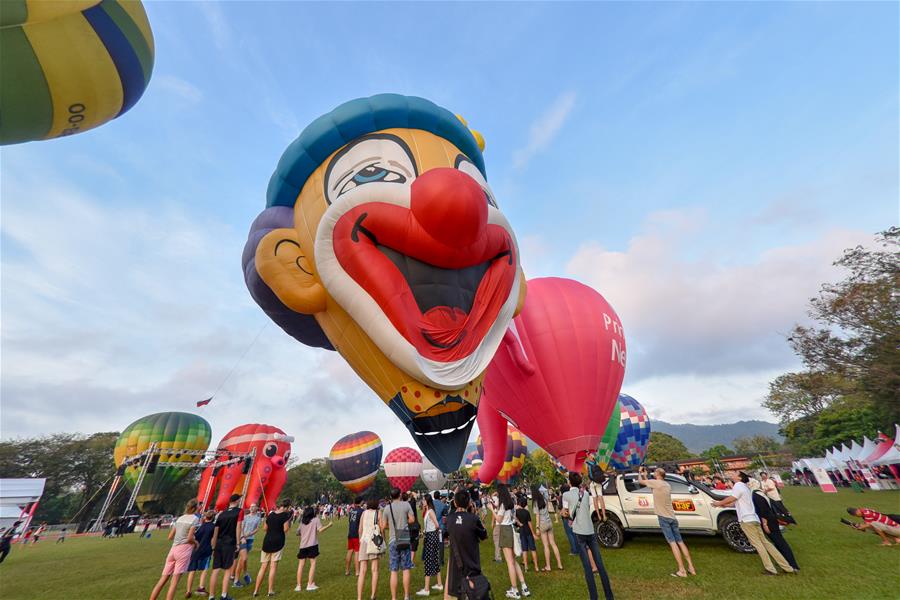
x: 369, y: 553
x: 276, y: 526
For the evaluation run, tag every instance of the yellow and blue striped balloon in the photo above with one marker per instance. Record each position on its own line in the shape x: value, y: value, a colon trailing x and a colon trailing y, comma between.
x: 70, y: 66
x: 354, y: 460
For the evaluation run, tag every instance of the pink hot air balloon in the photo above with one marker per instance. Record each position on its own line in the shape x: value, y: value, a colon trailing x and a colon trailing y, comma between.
x: 557, y: 374
x: 402, y: 466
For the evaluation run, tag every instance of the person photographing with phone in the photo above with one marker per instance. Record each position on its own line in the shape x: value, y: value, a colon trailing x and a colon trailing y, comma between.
x: 578, y: 513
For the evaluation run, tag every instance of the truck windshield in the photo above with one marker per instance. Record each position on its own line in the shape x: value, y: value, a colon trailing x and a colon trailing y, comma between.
x: 715, y: 494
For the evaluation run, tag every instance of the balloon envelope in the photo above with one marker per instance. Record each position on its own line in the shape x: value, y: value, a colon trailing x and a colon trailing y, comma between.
x: 513, y: 457
x: 396, y: 256
x: 70, y: 66
x: 432, y: 477
x: 267, y: 475
x: 634, y: 435
x: 402, y: 466
x: 354, y: 460
x: 174, y: 431
x: 560, y: 367
x: 473, y: 465
x: 608, y: 441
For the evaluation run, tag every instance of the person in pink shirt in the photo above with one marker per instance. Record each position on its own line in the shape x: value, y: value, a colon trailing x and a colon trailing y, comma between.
x: 183, y: 544
x: 309, y: 530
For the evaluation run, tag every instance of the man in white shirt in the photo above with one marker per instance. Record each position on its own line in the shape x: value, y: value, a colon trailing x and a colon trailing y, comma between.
x: 742, y: 499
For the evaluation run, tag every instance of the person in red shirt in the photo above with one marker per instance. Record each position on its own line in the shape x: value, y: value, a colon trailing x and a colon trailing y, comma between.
x: 887, y: 528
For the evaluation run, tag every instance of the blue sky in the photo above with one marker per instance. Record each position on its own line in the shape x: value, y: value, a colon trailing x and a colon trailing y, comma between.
x: 701, y: 165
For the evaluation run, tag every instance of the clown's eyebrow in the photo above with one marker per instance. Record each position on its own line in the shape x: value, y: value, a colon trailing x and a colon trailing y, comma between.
x: 352, y: 169
x: 400, y: 166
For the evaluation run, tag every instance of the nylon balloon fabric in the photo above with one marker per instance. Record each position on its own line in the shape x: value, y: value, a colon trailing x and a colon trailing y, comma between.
x: 354, y: 460
x: 173, y: 431
x: 634, y: 435
x: 608, y: 442
x: 513, y: 459
x: 472, y: 465
x: 559, y: 370
x: 382, y: 239
x: 70, y: 66
x: 432, y: 477
x: 402, y: 466
x: 265, y: 478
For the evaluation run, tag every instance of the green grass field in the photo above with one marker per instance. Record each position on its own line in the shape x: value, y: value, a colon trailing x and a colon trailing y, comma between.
x: 836, y: 562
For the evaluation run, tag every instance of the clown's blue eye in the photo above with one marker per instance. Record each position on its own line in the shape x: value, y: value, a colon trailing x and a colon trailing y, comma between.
x: 372, y: 174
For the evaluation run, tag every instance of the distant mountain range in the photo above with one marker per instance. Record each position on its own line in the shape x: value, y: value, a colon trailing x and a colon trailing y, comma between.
x: 698, y: 438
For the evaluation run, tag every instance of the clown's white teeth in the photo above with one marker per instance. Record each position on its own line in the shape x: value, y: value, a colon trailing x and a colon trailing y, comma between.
x: 446, y: 431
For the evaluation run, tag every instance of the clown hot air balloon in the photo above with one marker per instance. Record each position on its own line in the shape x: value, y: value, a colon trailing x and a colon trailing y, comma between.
x: 634, y: 435
x: 382, y: 240
x: 559, y: 370
x: 513, y: 458
x: 271, y: 448
x: 432, y: 477
x: 70, y: 66
x: 354, y: 460
x: 173, y: 432
x: 608, y: 441
x: 402, y: 466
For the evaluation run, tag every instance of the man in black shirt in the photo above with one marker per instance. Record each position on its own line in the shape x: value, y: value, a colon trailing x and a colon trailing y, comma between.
x: 224, y: 544
x: 465, y: 530
x: 353, y: 514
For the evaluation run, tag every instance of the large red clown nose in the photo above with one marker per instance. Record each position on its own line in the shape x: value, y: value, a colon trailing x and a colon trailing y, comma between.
x: 450, y: 206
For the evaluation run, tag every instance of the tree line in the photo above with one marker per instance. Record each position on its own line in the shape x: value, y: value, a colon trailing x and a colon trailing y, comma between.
x: 849, y: 386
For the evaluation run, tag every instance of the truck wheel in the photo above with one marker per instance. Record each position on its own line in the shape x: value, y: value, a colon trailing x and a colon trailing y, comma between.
x: 610, y: 533
x: 730, y: 529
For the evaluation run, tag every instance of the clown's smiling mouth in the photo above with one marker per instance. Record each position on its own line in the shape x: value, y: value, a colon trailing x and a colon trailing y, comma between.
x: 443, y: 295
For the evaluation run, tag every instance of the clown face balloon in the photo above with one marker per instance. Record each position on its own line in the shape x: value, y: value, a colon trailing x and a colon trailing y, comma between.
x: 382, y: 240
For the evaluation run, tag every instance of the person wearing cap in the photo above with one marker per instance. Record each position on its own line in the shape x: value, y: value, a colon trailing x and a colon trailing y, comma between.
x: 742, y: 499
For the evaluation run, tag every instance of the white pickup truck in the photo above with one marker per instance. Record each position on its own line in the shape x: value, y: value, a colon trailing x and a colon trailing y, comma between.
x: 629, y: 509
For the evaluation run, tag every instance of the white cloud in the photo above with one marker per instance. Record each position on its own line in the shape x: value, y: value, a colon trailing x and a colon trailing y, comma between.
x: 545, y: 128
x: 114, y: 309
x: 181, y: 89
x: 704, y: 399
x: 218, y: 24
x: 702, y: 313
x: 708, y: 321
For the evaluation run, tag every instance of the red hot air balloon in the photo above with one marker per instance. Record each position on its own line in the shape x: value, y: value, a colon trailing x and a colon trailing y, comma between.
x: 267, y: 475
x: 402, y: 466
x: 557, y: 374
